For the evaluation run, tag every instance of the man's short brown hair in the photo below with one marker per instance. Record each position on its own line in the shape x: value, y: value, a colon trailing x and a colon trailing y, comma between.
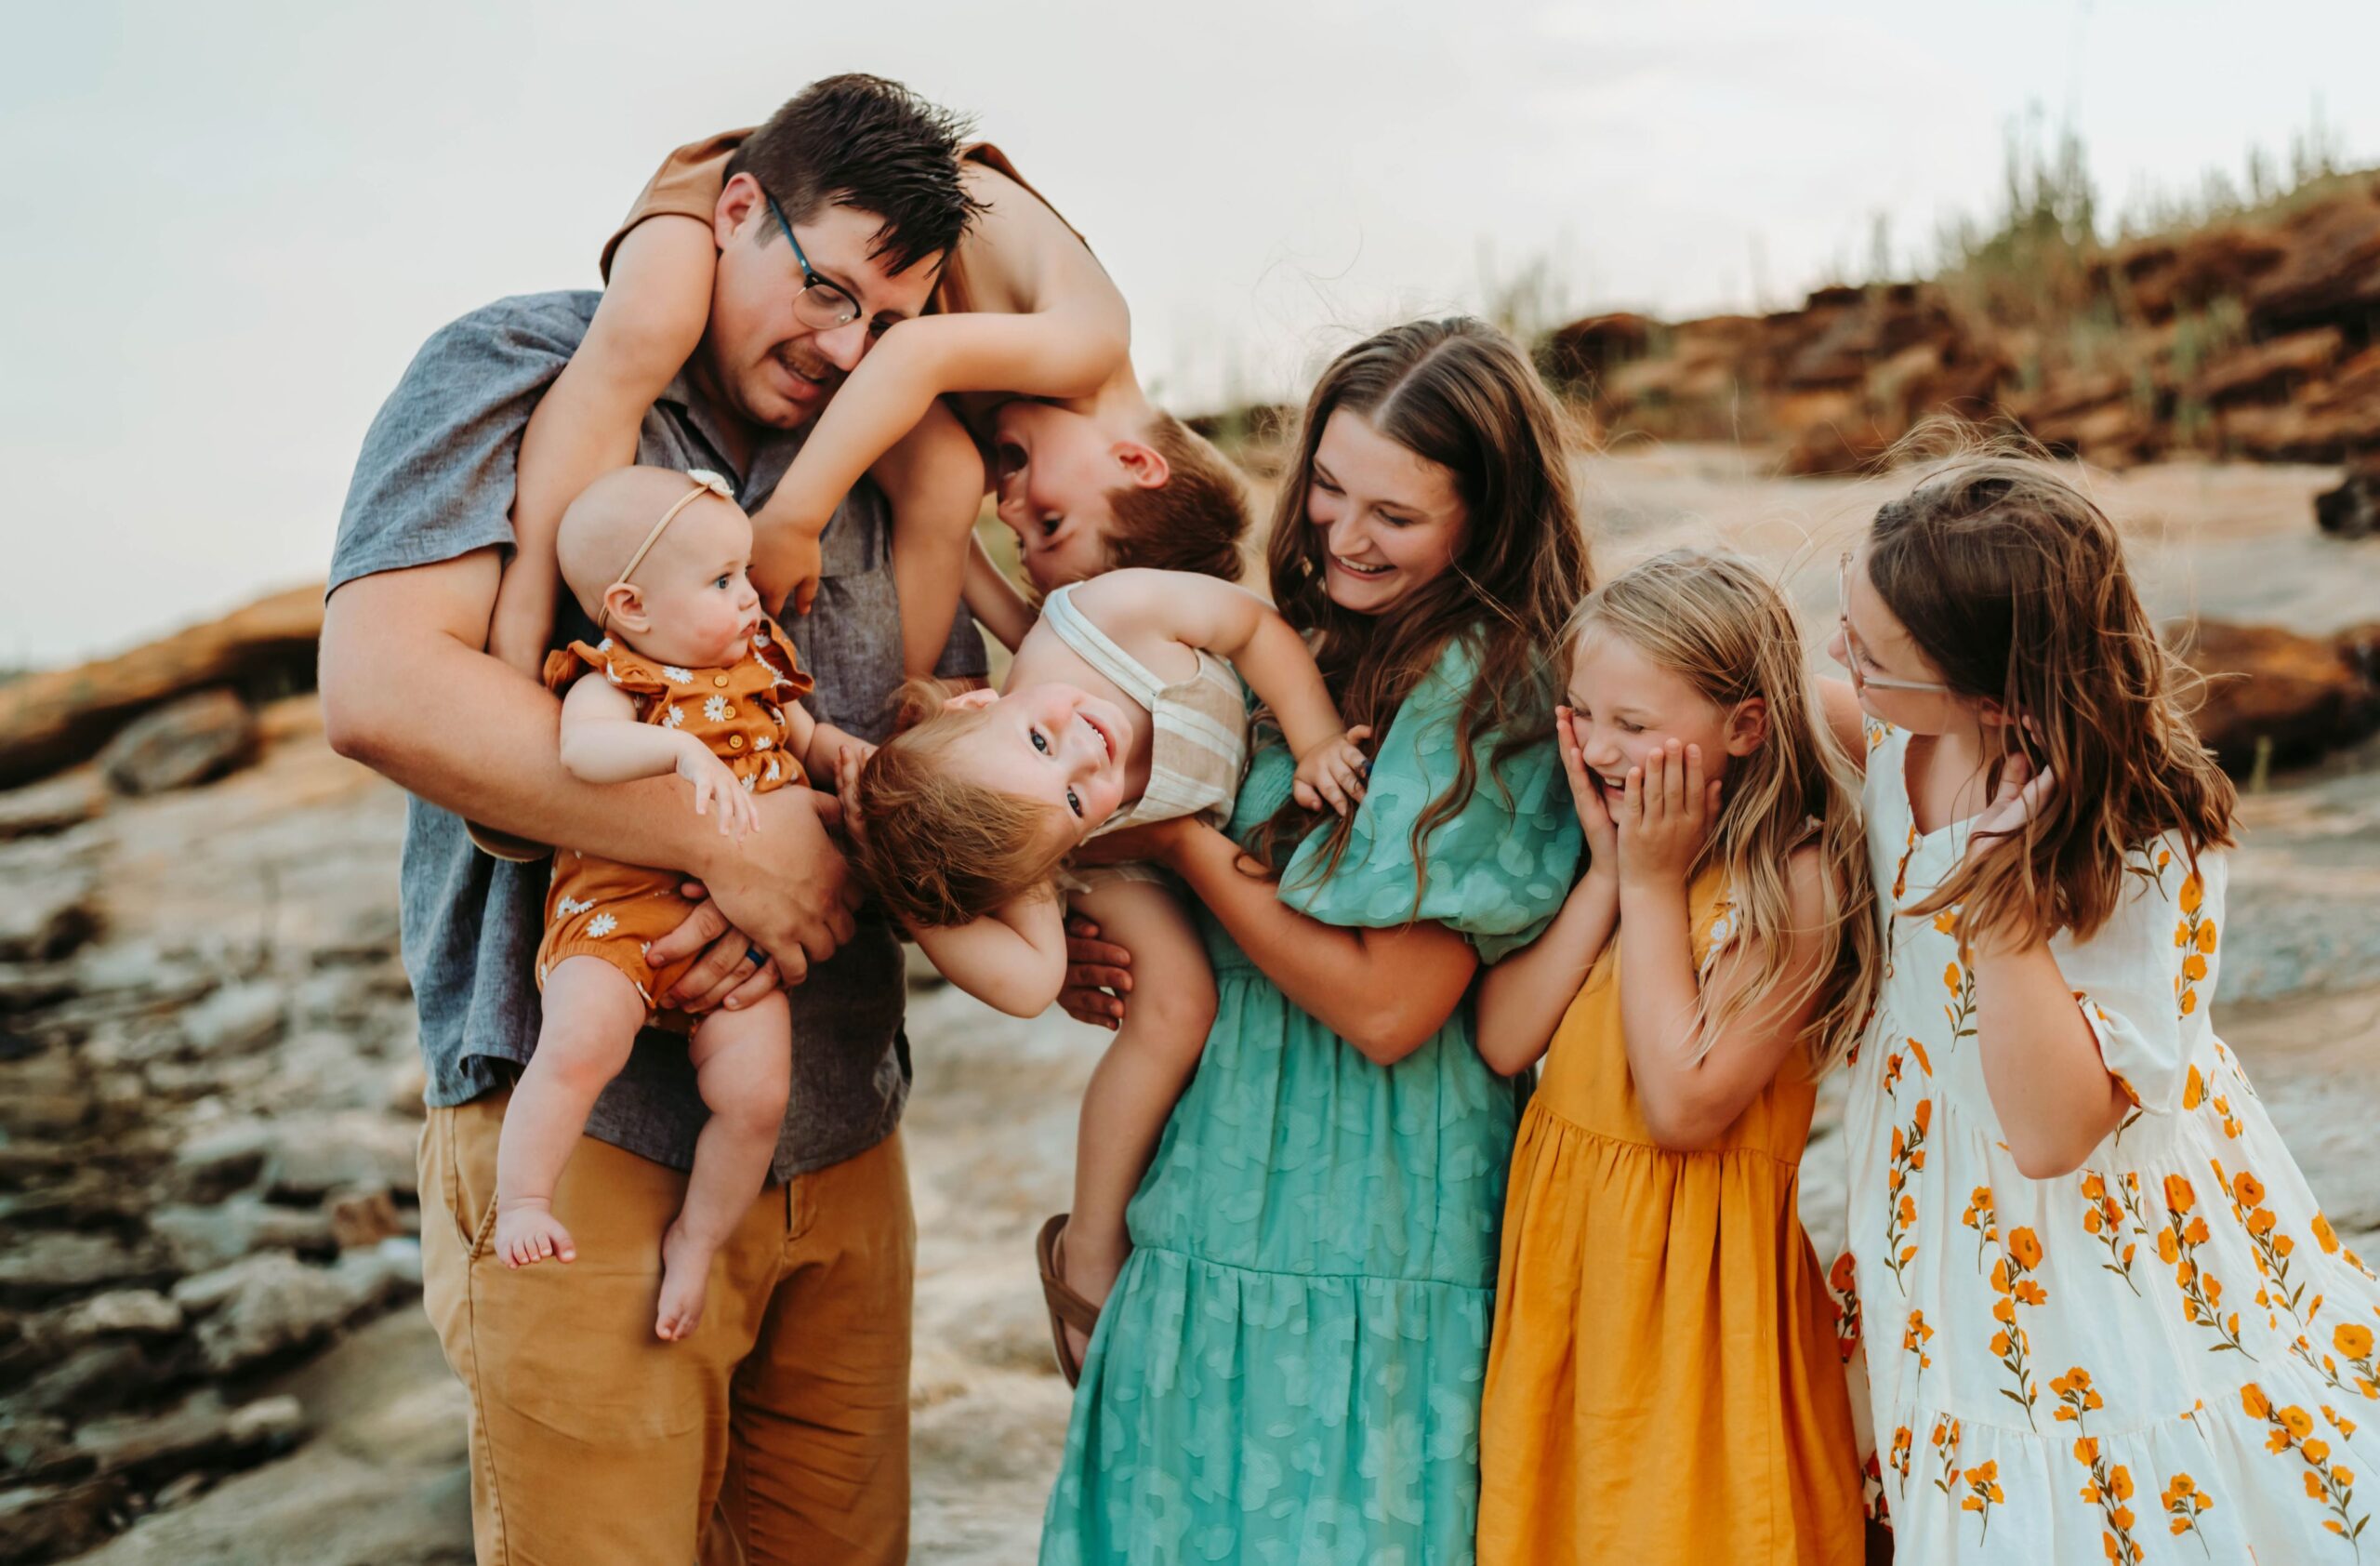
x: 863, y: 142
x: 1193, y: 521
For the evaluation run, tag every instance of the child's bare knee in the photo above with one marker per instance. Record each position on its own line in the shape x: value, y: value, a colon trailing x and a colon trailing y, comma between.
x: 1173, y: 1017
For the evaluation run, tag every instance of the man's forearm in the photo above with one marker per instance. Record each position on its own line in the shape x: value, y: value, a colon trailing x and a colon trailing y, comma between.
x: 404, y: 695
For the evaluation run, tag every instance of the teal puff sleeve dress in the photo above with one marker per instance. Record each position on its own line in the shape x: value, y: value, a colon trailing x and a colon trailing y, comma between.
x: 1289, y: 1369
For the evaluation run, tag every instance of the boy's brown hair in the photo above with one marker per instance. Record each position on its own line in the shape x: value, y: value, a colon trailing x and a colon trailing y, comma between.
x: 937, y: 849
x: 1193, y: 521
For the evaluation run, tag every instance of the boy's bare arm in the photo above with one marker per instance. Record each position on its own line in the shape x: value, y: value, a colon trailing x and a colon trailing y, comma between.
x: 1067, y: 352
x: 649, y: 324
x: 1014, y: 960
x: 994, y: 601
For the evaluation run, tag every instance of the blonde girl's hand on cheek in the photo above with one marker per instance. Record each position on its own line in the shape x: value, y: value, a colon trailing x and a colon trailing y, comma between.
x: 719, y: 790
x: 1665, y: 815
x: 1586, y: 797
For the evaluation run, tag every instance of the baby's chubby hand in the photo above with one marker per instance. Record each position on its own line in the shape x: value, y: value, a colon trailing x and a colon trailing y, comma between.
x: 1333, y: 772
x: 717, y: 788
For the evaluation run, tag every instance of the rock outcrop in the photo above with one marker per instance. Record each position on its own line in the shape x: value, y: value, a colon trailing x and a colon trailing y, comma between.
x: 2251, y: 337
x: 53, y: 720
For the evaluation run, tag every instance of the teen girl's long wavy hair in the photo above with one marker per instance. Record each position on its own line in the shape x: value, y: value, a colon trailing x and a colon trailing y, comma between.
x: 1714, y: 619
x: 2012, y: 582
x: 1458, y: 393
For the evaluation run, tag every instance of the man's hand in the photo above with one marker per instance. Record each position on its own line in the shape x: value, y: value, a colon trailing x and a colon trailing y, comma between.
x: 784, y: 892
x: 1097, y: 976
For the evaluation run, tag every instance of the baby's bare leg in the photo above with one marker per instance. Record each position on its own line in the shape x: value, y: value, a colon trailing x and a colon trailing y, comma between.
x: 592, y: 1013
x: 1145, y: 1068
x: 744, y: 1064
x: 934, y: 482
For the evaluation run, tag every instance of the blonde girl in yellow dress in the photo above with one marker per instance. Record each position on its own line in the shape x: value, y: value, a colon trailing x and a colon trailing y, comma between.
x: 2105, y: 1318
x: 1664, y: 1383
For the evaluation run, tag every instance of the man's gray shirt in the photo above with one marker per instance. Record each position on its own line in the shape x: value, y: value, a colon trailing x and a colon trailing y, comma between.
x: 435, y: 481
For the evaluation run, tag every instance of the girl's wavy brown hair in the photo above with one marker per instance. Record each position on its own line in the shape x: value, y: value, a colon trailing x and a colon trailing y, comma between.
x: 1714, y: 619
x: 937, y: 849
x: 1458, y: 393
x: 2012, y: 582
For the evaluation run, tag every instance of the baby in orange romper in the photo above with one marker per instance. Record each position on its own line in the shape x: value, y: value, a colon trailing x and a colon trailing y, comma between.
x: 697, y: 681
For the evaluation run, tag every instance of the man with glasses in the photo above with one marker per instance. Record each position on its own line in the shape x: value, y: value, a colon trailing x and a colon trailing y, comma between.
x: 779, y: 1432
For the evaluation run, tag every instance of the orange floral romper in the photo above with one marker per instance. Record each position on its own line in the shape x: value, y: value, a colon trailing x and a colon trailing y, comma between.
x: 598, y: 908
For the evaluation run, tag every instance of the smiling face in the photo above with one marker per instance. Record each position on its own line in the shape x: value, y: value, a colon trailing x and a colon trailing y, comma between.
x: 1389, y: 521
x: 1625, y: 708
x: 1055, y: 469
x: 769, y: 366
x: 1054, y: 745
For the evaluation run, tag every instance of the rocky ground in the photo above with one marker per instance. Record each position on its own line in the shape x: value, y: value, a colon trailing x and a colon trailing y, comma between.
x: 210, y: 1349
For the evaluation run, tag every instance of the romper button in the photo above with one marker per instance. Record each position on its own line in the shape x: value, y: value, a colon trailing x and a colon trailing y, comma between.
x: 736, y: 742
x: 719, y: 679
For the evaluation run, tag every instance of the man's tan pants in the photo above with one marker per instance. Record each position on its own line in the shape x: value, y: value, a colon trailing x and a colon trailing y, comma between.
x: 778, y: 1432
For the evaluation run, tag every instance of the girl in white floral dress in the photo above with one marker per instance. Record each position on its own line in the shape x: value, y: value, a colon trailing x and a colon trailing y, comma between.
x: 2103, y: 1315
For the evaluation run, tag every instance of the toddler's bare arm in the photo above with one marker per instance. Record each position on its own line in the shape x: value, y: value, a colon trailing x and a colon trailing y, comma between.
x: 1230, y: 621
x: 994, y: 600
x: 1014, y: 960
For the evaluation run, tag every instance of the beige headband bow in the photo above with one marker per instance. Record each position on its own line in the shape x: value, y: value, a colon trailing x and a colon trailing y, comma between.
x: 705, y: 482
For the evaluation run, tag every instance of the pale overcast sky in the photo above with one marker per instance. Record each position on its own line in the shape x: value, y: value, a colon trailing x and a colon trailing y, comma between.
x: 228, y: 226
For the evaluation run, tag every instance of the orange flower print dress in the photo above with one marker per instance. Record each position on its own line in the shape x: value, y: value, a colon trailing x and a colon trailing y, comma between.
x: 2164, y: 1356
x: 598, y: 907
x: 1663, y: 1385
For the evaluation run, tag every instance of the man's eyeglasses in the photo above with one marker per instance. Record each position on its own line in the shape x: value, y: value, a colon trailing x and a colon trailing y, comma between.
x: 820, y: 305
x: 1851, y: 640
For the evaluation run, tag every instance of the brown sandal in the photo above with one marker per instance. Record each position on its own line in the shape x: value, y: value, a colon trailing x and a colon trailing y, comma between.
x: 1068, y: 1309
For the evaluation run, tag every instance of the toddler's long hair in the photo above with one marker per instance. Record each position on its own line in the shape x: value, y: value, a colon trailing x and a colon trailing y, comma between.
x: 1715, y: 619
x: 937, y: 849
x: 2012, y: 582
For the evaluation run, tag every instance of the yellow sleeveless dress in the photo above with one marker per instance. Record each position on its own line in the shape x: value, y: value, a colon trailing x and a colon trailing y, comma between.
x: 1664, y: 1383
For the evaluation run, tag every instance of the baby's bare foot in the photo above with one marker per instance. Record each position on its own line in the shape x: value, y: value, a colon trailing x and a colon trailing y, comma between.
x: 527, y: 1232
x: 685, y: 1277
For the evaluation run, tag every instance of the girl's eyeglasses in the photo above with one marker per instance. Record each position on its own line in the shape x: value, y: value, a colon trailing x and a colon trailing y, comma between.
x: 1851, y: 641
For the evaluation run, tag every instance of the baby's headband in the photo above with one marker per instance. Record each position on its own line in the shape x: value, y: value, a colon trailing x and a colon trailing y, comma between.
x: 705, y: 481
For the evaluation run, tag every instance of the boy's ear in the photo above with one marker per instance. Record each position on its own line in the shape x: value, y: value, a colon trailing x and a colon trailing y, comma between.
x: 967, y: 701
x: 623, y: 607
x: 1144, y: 467
x: 1748, y: 726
